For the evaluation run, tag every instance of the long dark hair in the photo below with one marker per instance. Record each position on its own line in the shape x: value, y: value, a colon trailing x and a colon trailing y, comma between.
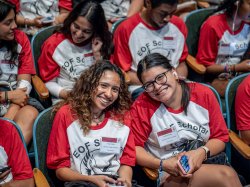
x: 11, y: 45
x: 156, y: 59
x: 229, y: 6
x: 80, y: 97
x: 94, y: 13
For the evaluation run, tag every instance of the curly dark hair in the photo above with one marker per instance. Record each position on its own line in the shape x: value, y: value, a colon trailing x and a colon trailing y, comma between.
x: 94, y: 13
x: 11, y: 45
x: 80, y: 100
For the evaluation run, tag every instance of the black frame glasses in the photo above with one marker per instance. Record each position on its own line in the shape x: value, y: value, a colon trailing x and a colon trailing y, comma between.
x: 159, y: 79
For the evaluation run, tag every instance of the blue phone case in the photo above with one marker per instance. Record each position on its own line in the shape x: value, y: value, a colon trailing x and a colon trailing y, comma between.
x: 184, y: 163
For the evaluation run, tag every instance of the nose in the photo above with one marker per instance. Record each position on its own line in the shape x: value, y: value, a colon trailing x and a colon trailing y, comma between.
x: 79, y: 34
x: 13, y: 25
x: 157, y: 86
x: 108, y: 93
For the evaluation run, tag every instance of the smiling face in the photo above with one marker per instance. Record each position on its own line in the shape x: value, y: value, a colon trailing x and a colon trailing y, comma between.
x: 81, y: 30
x: 7, y: 27
x: 106, y: 92
x: 160, y: 15
x: 165, y: 93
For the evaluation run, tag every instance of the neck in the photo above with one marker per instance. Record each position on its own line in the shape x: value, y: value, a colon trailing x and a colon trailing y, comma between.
x: 234, y: 22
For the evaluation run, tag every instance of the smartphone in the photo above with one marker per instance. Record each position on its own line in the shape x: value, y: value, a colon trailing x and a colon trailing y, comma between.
x: 2, y: 170
x: 183, y: 163
x: 48, y: 19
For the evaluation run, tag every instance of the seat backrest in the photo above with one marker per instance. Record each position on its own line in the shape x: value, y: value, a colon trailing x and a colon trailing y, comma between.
x: 38, y: 40
x: 41, y: 132
x: 194, y: 21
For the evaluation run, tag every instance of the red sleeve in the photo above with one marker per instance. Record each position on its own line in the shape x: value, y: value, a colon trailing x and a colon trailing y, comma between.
x: 183, y: 28
x: 128, y: 156
x: 242, y: 109
x: 122, y: 56
x: 25, y: 60
x: 48, y: 68
x: 141, y: 113
x: 58, y: 155
x: 208, y: 44
x: 66, y: 4
x: 16, y: 3
x: 217, y: 124
x: 17, y: 156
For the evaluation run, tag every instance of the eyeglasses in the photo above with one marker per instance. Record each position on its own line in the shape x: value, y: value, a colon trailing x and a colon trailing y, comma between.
x: 159, y: 79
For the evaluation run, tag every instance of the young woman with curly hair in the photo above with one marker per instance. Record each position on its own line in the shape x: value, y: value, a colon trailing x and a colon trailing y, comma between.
x: 83, y: 39
x: 89, y: 141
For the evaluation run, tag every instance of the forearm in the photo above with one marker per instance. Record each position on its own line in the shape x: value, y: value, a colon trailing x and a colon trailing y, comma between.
x: 182, y: 70
x: 22, y: 21
x: 19, y: 183
x: 126, y: 173
x: 215, y: 146
x: 62, y: 16
x: 215, y: 69
x: 245, y: 135
x: 135, y: 6
x: 67, y: 174
x: 133, y: 79
x: 143, y: 158
x: 12, y: 110
x: 56, y: 90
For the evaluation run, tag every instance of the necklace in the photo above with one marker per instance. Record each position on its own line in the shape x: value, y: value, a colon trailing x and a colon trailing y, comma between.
x: 97, y: 119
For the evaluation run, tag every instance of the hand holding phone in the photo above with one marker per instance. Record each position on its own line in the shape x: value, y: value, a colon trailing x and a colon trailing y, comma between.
x: 48, y: 19
x: 183, y: 164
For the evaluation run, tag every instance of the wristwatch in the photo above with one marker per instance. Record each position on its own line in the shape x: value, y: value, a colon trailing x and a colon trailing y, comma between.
x: 207, y: 151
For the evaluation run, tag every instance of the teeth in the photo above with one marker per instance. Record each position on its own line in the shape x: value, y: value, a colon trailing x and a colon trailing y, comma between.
x: 104, y: 100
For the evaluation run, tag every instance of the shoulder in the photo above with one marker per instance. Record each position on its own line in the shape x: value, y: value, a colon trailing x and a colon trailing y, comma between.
x: 129, y: 24
x: 214, y: 21
x: 6, y: 128
x: 20, y: 37
x: 177, y: 21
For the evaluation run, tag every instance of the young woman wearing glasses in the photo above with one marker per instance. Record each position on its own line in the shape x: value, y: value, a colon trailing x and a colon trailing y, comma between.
x: 170, y: 114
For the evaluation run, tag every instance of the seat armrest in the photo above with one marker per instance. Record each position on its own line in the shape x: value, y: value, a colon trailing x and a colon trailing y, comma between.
x: 193, y: 64
x: 151, y: 173
x: 239, y: 145
x: 203, y: 4
x: 40, y: 87
x: 187, y: 6
x: 40, y: 179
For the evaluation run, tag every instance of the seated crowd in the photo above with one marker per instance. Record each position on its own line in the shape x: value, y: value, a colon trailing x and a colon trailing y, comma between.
x: 122, y: 102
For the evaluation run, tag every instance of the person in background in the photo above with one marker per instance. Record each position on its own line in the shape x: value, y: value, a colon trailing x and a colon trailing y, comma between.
x: 14, y: 156
x: 224, y: 39
x: 33, y: 15
x: 83, y: 39
x: 242, y: 115
x: 89, y: 140
x: 168, y: 116
x: 16, y: 68
x: 155, y: 29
